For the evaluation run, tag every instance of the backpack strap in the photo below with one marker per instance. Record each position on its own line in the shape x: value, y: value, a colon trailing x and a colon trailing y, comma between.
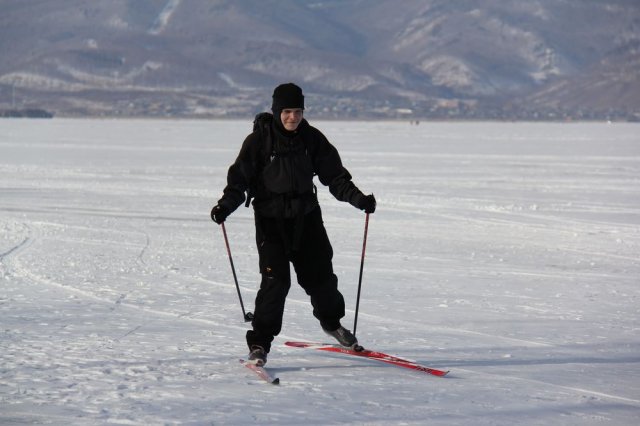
x: 261, y: 126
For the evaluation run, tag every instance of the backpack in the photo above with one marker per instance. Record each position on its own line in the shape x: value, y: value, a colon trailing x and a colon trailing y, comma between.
x: 262, y: 124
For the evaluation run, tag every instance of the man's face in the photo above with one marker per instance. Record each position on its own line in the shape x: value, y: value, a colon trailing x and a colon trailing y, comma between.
x: 291, y: 118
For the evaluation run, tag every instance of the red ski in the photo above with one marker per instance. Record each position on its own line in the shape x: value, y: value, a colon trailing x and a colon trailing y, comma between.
x: 377, y: 356
x: 261, y: 372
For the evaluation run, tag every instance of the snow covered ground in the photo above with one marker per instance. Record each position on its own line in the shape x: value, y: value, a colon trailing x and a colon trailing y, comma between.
x: 507, y: 253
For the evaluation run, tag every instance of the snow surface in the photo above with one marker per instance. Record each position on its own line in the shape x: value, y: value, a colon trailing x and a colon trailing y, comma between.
x: 508, y: 253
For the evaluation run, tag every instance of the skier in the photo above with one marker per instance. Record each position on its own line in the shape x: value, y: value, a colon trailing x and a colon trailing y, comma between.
x: 275, y: 167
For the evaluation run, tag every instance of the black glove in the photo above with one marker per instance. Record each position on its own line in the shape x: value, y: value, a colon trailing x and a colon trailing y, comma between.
x: 367, y: 203
x: 219, y: 214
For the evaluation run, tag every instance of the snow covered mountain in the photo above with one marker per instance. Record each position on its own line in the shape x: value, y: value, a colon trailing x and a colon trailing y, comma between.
x: 497, y: 58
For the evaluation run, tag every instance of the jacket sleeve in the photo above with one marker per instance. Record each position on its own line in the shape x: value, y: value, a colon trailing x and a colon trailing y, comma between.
x: 333, y: 174
x: 240, y: 174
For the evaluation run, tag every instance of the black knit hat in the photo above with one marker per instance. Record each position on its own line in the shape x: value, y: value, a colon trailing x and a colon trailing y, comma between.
x: 287, y: 95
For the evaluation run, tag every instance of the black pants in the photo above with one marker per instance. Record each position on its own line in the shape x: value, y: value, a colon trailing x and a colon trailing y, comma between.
x: 311, y: 258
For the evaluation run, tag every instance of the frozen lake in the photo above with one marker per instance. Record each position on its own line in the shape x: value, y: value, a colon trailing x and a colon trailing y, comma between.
x: 508, y: 253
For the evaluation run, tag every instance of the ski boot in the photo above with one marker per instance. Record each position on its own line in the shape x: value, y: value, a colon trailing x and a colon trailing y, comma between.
x: 257, y: 356
x: 345, y: 338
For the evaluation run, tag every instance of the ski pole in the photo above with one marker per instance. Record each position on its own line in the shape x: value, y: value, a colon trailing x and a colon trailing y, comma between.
x: 248, y: 316
x: 364, y: 247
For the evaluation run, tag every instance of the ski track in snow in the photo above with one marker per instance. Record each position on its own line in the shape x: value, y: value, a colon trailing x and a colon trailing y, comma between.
x: 507, y: 253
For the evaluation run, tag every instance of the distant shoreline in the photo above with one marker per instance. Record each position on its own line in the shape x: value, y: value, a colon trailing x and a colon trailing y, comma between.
x: 26, y: 113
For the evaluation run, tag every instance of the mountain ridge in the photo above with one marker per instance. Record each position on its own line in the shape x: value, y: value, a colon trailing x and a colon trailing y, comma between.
x: 354, y: 58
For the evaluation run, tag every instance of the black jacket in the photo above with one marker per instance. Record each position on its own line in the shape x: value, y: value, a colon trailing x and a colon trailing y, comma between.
x: 276, y: 167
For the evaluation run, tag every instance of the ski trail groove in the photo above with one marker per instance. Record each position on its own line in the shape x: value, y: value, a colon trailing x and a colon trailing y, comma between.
x: 8, y: 253
x: 20, y: 270
x: 632, y: 401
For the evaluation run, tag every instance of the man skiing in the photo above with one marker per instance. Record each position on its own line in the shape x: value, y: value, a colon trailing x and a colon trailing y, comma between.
x: 275, y: 167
